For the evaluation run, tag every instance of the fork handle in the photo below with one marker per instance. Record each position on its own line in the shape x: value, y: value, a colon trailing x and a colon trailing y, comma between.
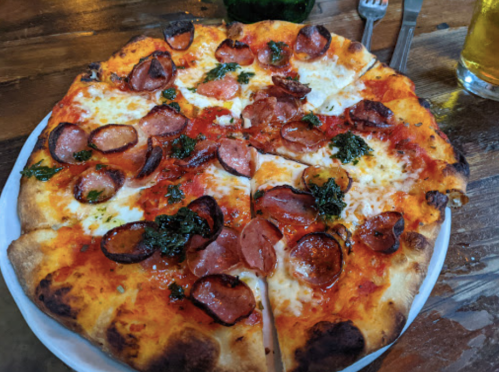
x: 368, y: 33
x: 401, y: 53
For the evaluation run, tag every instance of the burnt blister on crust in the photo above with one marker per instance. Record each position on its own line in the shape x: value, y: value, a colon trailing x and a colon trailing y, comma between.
x: 330, y: 347
x: 55, y: 300
x: 124, y: 345
x: 93, y: 72
x: 415, y: 241
x: 179, y: 35
x: 187, y: 350
x: 439, y: 201
x: 424, y: 103
x: 461, y: 166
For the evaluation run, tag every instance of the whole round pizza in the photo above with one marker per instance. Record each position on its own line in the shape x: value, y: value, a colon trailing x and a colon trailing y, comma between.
x: 196, y: 193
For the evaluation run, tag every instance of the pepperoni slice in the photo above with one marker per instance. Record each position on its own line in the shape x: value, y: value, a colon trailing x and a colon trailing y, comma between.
x: 153, y: 158
x: 163, y: 121
x: 223, y: 297
x: 298, y: 136
x: 179, y: 35
x: 291, y: 87
x: 235, y: 157
x: 316, y: 259
x: 234, y: 51
x: 218, y: 257
x: 260, y: 112
x: 125, y: 243
x: 203, y: 151
x: 257, y: 241
x: 320, y: 175
x: 268, y: 58
x: 371, y: 116
x: 206, y: 207
x: 312, y: 42
x: 113, y: 138
x: 382, y: 232
x: 96, y: 186
x: 223, y: 89
x: 156, y: 71
x: 286, y: 108
x: 65, y: 140
x: 288, y: 205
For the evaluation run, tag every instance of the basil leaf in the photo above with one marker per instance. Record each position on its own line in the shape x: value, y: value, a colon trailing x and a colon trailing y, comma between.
x: 219, y: 72
x: 351, y: 147
x: 82, y: 155
x: 40, y: 172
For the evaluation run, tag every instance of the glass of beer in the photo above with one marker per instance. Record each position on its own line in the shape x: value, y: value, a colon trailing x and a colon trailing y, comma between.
x: 478, y: 68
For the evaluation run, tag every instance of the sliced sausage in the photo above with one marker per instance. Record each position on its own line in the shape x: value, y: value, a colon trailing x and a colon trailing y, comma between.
x: 207, y: 208
x: 223, y: 89
x: 125, y: 243
x: 268, y: 57
x: 179, y: 35
x: 223, y: 297
x: 287, y: 205
x: 156, y: 71
x: 113, y: 138
x: 299, y: 136
x: 320, y: 175
x: 287, y: 107
x: 382, y: 232
x: 153, y: 158
x: 203, y: 151
x: 163, y: 121
x: 260, y: 112
x: 371, y: 116
x: 234, y: 51
x: 312, y: 42
x: 257, y: 242
x: 66, y: 140
x: 96, y: 186
x: 218, y: 257
x: 235, y: 157
x: 316, y: 259
x: 291, y: 87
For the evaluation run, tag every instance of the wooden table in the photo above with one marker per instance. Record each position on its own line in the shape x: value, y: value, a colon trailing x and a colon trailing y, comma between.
x: 44, y: 44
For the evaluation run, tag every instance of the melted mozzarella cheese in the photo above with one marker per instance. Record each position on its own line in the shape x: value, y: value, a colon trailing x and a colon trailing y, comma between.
x: 99, y: 219
x: 275, y: 170
x: 221, y: 183
x: 224, y: 120
x: 103, y: 105
x: 287, y: 294
x: 335, y: 104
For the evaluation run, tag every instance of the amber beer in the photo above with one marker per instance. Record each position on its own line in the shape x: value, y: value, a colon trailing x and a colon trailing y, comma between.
x: 478, y: 69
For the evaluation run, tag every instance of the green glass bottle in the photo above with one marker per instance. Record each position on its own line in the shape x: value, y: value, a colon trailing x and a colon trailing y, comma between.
x: 250, y: 11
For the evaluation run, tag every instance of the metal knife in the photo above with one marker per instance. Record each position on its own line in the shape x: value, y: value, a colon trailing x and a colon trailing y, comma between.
x: 411, y: 12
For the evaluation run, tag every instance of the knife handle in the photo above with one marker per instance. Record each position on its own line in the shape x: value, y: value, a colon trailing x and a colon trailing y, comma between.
x: 401, y: 53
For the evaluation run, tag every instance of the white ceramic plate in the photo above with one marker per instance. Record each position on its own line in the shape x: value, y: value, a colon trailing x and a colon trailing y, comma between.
x: 78, y: 353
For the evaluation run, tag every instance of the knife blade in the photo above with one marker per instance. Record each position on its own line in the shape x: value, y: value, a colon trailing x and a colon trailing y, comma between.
x: 401, y: 53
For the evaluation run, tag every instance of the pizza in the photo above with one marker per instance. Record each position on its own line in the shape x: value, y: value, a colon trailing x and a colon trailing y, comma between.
x: 235, y: 198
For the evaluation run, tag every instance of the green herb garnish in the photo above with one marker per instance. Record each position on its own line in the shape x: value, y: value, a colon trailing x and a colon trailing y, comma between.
x: 170, y: 93
x: 193, y: 90
x: 82, y: 155
x: 174, y: 194
x: 219, y: 72
x: 258, y: 194
x: 351, y: 147
x: 312, y: 120
x: 292, y: 78
x: 328, y: 198
x: 276, y: 50
x: 243, y: 77
x: 41, y: 172
x: 175, y: 106
x: 100, y: 166
x: 93, y: 195
x: 183, y: 146
x: 176, y: 292
x: 174, y: 232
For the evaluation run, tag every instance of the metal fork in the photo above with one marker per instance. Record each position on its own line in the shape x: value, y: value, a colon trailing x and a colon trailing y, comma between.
x: 371, y: 10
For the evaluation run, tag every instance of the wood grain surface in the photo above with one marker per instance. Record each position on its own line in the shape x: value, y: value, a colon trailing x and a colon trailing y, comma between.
x: 44, y: 44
